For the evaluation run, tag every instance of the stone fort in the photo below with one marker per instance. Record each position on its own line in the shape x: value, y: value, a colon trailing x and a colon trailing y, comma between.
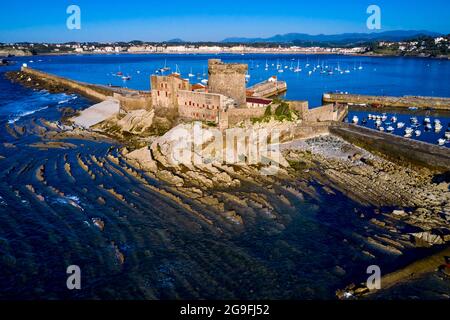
x: 223, y: 98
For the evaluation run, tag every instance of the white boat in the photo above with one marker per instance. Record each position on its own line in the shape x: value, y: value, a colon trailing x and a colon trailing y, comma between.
x: 278, y: 64
x: 165, y: 68
x: 384, y: 117
x: 191, y: 75
x: 296, y: 70
x: 409, y: 130
x: 280, y: 70
x: 126, y: 78
x: 204, y: 81
x: 428, y: 126
x: 390, y: 129
x: 441, y: 141
x: 408, y: 135
x: 438, y: 127
x: 414, y: 120
x: 394, y: 119
x: 355, y: 120
x: 360, y: 66
x: 369, y: 116
x: 378, y: 123
x: 418, y: 133
x: 426, y: 120
x: 381, y: 129
x: 177, y: 71
x: 400, y: 125
x: 447, y: 134
x: 310, y: 73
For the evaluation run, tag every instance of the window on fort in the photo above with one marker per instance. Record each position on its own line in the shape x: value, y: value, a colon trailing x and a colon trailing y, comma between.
x: 158, y: 93
x: 167, y: 94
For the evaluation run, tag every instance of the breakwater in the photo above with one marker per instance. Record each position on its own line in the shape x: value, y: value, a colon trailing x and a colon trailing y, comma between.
x: 395, y: 148
x: 437, y: 103
x: 129, y: 99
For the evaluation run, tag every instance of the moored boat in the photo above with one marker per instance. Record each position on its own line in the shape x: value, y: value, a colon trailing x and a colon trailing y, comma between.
x: 400, y: 125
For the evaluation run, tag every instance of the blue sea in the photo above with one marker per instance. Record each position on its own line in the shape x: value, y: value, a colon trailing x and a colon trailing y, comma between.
x: 378, y: 75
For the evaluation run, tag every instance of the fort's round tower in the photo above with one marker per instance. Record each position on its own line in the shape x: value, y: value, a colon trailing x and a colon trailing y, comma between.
x: 228, y: 79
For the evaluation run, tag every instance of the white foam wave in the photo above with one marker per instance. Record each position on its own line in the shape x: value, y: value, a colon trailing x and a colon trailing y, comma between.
x: 24, y: 114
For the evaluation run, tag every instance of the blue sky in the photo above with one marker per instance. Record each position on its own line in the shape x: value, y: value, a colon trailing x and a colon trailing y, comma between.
x: 149, y: 20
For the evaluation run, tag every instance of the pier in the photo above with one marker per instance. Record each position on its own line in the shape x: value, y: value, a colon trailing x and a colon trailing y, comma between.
x: 395, y: 148
x: 267, y: 89
x: 436, y: 103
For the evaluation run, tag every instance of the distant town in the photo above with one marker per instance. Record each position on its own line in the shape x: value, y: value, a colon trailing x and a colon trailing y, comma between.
x: 425, y: 46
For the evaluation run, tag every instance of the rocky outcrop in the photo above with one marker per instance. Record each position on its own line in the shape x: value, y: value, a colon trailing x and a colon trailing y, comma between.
x: 9, y: 52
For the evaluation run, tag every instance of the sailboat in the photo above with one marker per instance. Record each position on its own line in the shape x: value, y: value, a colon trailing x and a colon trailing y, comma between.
x: 165, y: 68
x: 298, y: 67
x: 191, y: 75
x: 177, y: 71
x: 307, y: 62
x: 360, y: 66
x: 267, y: 66
x: 338, y: 69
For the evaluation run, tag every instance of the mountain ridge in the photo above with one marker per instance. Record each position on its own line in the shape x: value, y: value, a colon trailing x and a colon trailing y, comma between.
x: 395, y: 35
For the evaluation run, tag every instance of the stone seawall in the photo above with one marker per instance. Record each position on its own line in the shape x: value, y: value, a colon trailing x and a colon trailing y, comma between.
x: 129, y: 99
x: 394, y: 102
x: 94, y: 92
x: 395, y: 148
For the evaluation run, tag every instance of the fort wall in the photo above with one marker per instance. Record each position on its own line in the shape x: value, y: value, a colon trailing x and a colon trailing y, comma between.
x: 164, y: 90
x: 134, y: 102
x: 328, y: 112
x: 237, y: 115
x: 200, y: 105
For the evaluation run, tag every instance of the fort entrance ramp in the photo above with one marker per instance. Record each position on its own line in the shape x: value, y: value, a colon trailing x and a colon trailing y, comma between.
x: 97, y: 113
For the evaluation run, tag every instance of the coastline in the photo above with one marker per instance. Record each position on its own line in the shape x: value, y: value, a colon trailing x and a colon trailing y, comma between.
x: 237, y: 53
